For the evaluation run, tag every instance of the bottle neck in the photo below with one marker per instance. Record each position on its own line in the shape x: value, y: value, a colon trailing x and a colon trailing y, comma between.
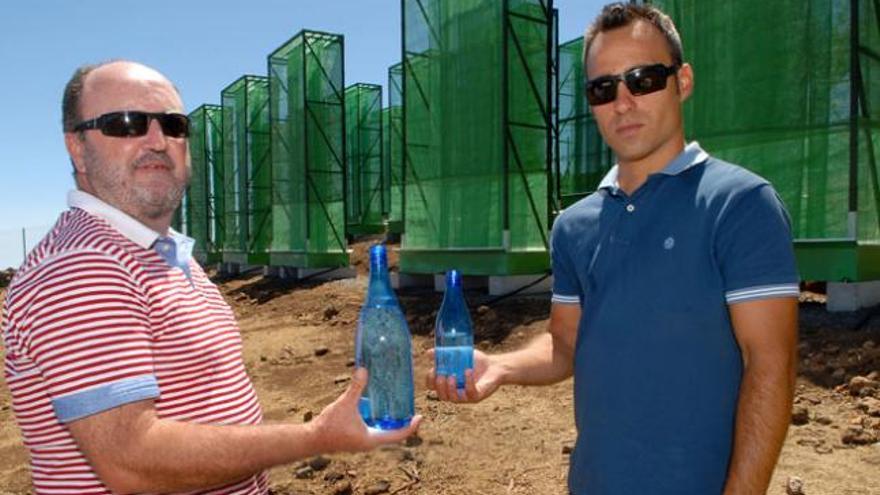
x: 380, y: 292
x: 453, y: 301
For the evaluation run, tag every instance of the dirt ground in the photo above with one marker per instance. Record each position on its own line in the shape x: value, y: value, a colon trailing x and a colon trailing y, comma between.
x: 299, y: 348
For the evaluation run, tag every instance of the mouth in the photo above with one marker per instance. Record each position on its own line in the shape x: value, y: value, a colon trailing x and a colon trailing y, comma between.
x: 628, y: 129
x: 154, y: 162
x: 154, y: 166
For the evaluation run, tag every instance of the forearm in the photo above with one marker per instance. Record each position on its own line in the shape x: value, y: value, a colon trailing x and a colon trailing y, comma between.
x: 762, y: 419
x: 544, y: 361
x: 177, y: 456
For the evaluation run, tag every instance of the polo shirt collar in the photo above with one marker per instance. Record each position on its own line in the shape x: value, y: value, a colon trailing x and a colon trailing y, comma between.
x: 692, y: 155
x: 135, y: 231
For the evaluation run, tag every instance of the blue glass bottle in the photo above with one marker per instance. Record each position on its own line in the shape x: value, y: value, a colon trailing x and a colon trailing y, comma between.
x: 383, y: 346
x: 453, y: 332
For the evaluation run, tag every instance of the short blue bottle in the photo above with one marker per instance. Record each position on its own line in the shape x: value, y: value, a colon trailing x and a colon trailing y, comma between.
x: 453, y: 333
x: 383, y: 346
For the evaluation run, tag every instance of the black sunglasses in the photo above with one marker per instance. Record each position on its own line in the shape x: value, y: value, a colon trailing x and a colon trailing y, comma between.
x: 134, y: 123
x: 639, y: 81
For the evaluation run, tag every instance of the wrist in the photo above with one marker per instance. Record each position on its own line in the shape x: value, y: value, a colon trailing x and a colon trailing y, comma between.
x: 504, y: 370
x: 311, y: 439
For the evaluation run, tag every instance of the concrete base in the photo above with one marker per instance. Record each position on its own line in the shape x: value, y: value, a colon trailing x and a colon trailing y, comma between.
x: 272, y: 271
x: 228, y: 269
x: 502, y: 285
x: 325, y: 273
x: 467, y: 282
x: 411, y: 280
x: 852, y: 296
x: 321, y: 274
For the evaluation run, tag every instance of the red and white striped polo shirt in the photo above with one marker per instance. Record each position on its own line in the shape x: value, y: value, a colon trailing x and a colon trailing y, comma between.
x: 94, y: 319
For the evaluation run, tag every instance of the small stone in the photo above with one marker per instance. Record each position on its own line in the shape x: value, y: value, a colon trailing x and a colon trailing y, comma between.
x: 823, y: 420
x: 794, y: 486
x: 320, y: 351
x: 413, y: 441
x: 869, y: 406
x: 800, y: 415
x: 304, y: 472
x: 868, y: 345
x: 436, y: 441
x: 307, y: 416
x: 319, y: 463
x: 341, y: 379
x: 482, y: 310
x: 831, y: 349
x: 432, y: 395
x: 823, y: 449
x: 330, y: 312
x: 378, y: 488
x: 808, y: 442
x: 341, y: 488
x: 856, y: 435
x: 263, y: 358
x: 874, y: 375
x: 350, y: 363
x: 859, y: 383
x: 567, y: 449
x: 333, y: 476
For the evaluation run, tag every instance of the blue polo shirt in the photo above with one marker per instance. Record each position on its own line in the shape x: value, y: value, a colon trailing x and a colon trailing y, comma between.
x: 657, y: 367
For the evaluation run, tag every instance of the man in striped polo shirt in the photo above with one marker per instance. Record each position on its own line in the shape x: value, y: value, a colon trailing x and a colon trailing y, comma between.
x: 674, y: 295
x: 123, y: 360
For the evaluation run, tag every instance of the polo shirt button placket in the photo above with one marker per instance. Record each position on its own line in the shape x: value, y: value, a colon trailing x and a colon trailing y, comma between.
x: 630, y: 208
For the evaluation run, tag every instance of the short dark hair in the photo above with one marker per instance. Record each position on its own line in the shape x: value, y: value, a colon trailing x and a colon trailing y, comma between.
x: 619, y: 14
x: 70, y: 114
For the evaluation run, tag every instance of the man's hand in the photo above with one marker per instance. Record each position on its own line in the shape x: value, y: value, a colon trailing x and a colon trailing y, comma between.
x: 480, y: 382
x: 340, y: 428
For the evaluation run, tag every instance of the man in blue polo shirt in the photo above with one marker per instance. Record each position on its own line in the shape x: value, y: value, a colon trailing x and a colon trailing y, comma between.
x: 675, y: 293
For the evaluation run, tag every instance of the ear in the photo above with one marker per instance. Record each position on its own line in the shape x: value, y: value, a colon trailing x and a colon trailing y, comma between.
x: 685, y: 81
x: 75, y: 145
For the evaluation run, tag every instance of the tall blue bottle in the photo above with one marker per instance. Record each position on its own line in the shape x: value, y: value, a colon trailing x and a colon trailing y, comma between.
x: 453, y: 332
x: 383, y: 346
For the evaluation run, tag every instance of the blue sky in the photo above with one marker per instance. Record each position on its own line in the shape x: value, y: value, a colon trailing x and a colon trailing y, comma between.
x: 200, y: 45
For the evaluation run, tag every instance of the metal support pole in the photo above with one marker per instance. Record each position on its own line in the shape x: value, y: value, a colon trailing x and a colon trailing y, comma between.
x: 852, y: 219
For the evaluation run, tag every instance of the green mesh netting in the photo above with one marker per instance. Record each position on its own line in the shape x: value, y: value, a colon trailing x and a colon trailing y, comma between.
x: 205, y: 192
x: 773, y: 93
x: 386, y: 160
x: 247, y: 168
x: 395, y: 148
x: 365, y: 185
x: 307, y: 80
x: 477, y: 88
x: 583, y: 157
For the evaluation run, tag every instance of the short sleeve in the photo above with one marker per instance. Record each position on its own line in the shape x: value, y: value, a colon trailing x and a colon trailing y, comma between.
x: 87, y: 329
x: 566, y: 287
x: 754, y: 248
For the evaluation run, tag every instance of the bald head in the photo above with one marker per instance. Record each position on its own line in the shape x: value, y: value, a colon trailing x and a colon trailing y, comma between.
x: 94, y: 78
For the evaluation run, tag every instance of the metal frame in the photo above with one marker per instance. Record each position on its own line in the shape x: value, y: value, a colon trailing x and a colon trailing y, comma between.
x: 504, y: 260
x: 396, y: 143
x: 356, y: 209
x: 207, y: 249
x: 246, y: 251
x: 310, y: 256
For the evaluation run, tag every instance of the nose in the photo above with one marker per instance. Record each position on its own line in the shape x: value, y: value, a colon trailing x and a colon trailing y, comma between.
x: 625, y: 101
x: 155, y: 138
